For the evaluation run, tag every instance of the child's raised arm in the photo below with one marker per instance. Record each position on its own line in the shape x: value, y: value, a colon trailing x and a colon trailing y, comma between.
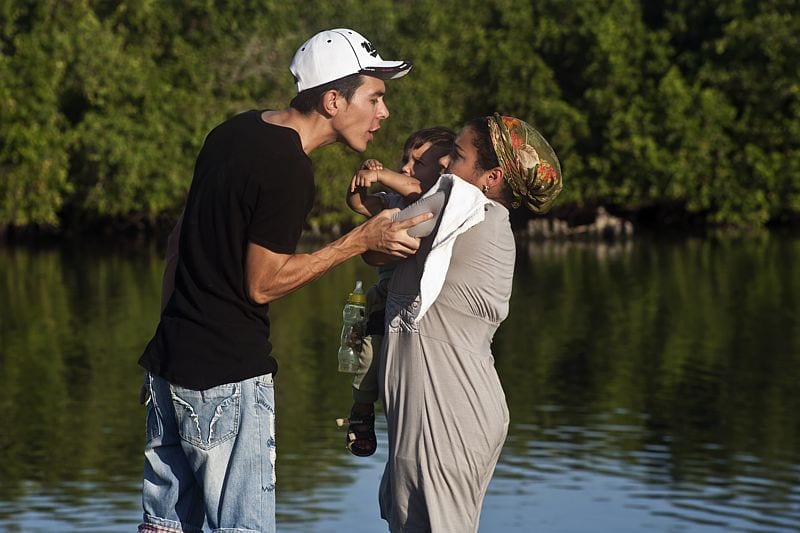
x: 371, y: 172
x: 358, y: 197
x: 406, y: 186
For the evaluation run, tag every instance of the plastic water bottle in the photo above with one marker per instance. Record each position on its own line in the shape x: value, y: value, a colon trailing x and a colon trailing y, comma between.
x: 352, y: 329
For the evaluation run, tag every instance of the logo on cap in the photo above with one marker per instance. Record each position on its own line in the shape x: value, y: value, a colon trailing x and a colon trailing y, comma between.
x: 371, y: 50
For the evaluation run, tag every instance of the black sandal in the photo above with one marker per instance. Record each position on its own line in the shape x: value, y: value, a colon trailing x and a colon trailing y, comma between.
x: 360, y: 439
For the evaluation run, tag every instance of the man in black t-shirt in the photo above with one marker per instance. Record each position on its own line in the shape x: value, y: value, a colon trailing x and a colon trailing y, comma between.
x: 210, y: 451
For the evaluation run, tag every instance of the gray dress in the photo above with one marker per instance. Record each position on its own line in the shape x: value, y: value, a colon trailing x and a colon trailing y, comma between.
x: 445, y: 408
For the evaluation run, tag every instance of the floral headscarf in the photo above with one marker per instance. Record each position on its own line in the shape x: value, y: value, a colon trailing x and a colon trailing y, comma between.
x: 531, y: 167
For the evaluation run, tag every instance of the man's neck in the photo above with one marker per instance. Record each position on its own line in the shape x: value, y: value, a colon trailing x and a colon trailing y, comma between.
x: 314, y: 129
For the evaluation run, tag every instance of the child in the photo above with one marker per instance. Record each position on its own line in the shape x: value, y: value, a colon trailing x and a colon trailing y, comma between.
x: 419, y: 171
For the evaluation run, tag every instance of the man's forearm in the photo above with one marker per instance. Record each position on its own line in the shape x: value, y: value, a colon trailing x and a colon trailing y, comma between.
x: 287, y: 273
x: 271, y: 275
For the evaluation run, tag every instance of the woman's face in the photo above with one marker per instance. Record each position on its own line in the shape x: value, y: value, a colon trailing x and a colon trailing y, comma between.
x: 463, y: 160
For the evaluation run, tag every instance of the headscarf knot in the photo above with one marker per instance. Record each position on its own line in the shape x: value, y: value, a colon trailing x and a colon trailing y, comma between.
x: 530, y: 164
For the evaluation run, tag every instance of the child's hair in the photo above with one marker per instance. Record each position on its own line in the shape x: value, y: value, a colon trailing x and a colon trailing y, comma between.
x: 437, y: 136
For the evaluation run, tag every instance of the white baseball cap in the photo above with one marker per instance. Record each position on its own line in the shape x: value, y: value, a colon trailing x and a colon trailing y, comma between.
x: 333, y: 54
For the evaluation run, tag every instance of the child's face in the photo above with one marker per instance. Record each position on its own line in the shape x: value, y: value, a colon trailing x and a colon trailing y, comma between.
x: 423, y: 163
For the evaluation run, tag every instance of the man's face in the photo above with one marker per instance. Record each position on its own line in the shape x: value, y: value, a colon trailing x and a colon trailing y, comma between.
x: 359, y: 119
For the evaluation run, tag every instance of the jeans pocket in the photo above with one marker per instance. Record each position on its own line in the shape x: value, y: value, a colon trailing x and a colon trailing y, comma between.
x: 209, y: 417
x: 265, y: 401
x: 265, y: 394
x: 153, y: 424
x: 152, y: 415
x: 265, y: 404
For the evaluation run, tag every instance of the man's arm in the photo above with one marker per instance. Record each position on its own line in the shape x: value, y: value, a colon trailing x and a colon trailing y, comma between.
x: 167, y: 282
x: 170, y: 263
x: 272, y: 275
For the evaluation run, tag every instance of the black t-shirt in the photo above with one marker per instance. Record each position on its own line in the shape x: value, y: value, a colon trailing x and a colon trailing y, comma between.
x: 252, y: 183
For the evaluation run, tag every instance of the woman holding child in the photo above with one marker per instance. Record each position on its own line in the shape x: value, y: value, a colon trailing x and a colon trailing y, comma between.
x: 446, y: 411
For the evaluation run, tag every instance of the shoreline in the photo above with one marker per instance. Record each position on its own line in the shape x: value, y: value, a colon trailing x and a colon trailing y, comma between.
x: 563, y: 224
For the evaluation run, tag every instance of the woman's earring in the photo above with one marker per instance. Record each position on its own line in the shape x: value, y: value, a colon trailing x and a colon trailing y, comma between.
x: 485, y: 189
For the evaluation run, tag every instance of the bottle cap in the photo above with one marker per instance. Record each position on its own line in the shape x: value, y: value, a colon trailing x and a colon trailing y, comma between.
x: 357, y: 296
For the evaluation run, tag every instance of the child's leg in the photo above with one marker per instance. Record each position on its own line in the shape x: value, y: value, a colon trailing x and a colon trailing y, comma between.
x: 361, y: 439
x: 365, y: 380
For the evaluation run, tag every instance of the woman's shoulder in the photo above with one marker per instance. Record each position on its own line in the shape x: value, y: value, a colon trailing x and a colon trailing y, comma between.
x: 497, y: 229
x: 492, y: 232
x: 497, y: 215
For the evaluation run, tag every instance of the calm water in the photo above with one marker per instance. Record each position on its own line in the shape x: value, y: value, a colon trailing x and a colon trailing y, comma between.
x: 652, y: 387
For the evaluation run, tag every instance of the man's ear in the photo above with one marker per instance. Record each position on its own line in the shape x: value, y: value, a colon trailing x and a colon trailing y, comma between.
x: 330, y: 102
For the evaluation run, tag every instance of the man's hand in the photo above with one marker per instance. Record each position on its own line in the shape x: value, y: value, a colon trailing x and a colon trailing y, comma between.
x: 383, y: 235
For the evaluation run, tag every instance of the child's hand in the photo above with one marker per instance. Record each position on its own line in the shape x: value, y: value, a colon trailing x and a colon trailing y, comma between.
x: 365, y: 178
x: 371, y: 164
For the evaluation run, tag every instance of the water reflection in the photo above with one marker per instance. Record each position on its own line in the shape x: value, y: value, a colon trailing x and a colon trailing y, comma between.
x: 652, y: 387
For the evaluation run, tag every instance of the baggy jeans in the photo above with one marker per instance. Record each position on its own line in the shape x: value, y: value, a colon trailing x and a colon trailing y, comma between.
x: 210, y: 455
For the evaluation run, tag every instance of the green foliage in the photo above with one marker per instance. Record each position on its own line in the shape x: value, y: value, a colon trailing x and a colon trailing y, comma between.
x: 104, y: 104
x: 34, y: 137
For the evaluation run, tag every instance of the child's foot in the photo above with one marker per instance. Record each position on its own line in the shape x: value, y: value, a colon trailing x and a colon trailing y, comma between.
x: 360, y: 439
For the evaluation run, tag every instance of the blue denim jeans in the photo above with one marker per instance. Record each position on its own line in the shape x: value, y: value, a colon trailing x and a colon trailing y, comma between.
x: 210, y: 455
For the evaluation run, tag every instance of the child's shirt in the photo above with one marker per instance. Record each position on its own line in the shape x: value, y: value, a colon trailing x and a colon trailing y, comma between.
x: 390, y: 200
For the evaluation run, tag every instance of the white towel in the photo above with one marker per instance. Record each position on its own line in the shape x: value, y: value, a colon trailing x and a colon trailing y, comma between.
x: 464, y: 209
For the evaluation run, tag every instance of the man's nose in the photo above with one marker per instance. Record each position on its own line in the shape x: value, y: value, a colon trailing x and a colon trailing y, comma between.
x: 444, y: 162
x: 383, y: 111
